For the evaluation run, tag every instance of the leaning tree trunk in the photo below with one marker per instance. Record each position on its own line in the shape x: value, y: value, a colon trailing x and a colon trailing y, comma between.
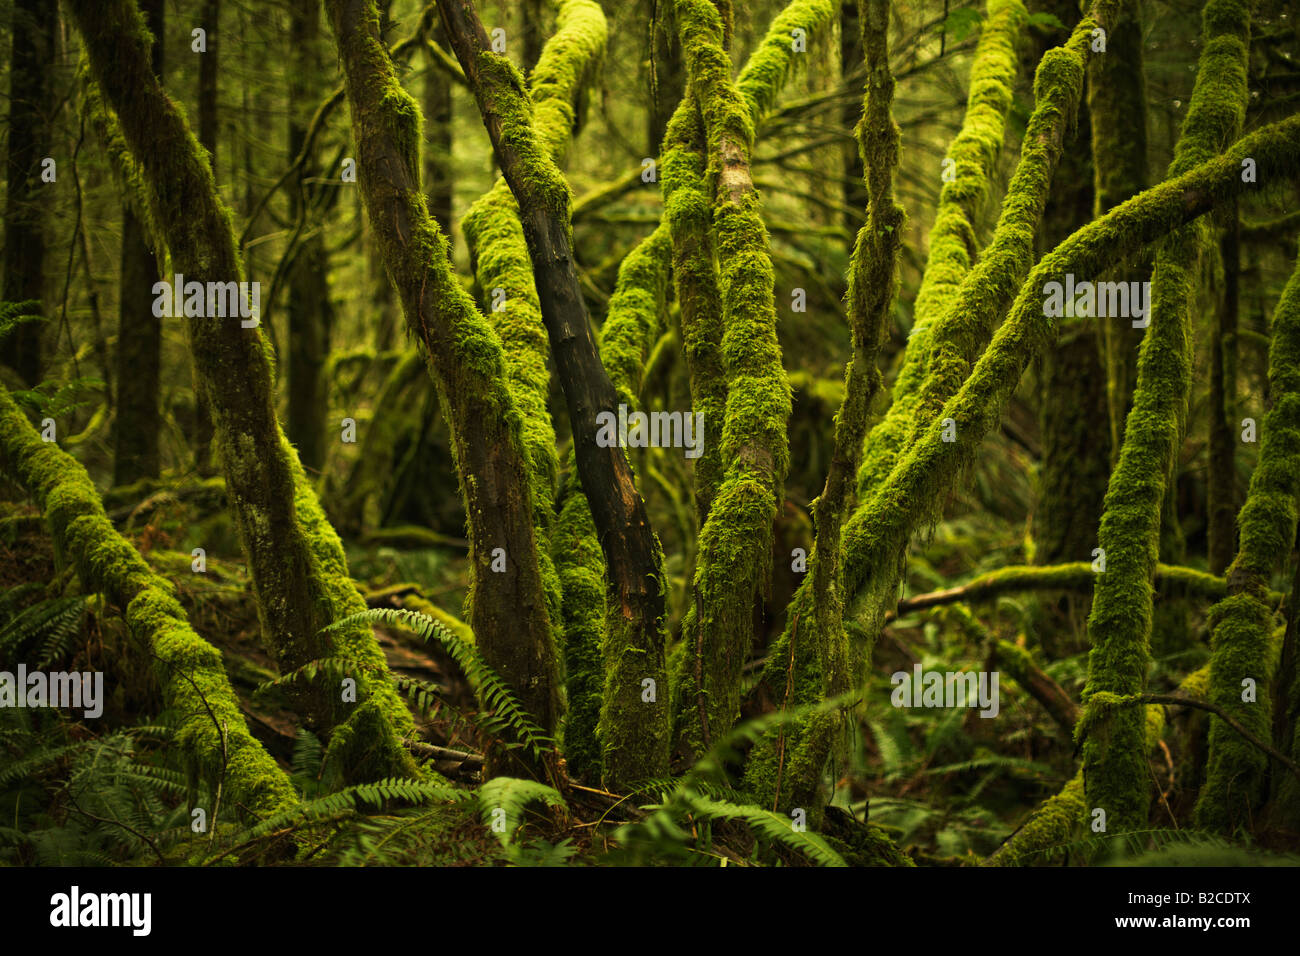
x: 212, y: 734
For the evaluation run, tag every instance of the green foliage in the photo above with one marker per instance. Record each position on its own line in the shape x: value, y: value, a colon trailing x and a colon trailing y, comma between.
x: 14, y: 314
x: 503, y: 711
x: 501, y: 805
x: 42, y: 632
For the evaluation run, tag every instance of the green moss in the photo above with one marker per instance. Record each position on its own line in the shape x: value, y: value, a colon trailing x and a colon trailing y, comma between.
x: 581, y: 567
x: 634, y: 320
x: 387, y: 718
x: 771, y: 63
x: 735, y: 541
x: 1042, y: 839
x: 1241, y: 623
x: 953, y: 245
x: 787, y: 765
x: 188, y: 669
x: 1055, y: 823
x: 964, y: 322
x: 687, y: 210
x: 501, y: 260
x: 951, y: 337
x: 687, y: 214
x: 508, y: 612
x: 1120, y: 624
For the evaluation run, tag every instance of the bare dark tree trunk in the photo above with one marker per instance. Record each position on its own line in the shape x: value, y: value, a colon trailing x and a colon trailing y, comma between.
x: 667, y: 73
x: 508, y: 610
x: 208, y: 64
x: 309, y: 312
x: 30, y: 122
x: 438, y: 181
x: 139, y: 331
x: 1221, y: 479
x: 632, y: 555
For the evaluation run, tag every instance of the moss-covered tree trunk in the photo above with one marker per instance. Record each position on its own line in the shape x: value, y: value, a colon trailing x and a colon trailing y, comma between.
x: 139, y: 331
x: 507, y: 608
x: 31, y: 109
x: 634, y: 719
x: 1114, y: 759
x: 1242, y: 623
x: 734, y: 567
x: 298, y: 569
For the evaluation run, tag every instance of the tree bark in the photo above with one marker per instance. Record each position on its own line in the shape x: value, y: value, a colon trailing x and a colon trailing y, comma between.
x: 507, y: 608
x: 632, y: 555
x: 139, y: 331
x: 310, y: 310
x: 31, y: 92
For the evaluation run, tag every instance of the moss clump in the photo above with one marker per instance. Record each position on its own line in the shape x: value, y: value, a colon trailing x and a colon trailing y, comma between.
x: 189, y: 669
x: 581, y: 567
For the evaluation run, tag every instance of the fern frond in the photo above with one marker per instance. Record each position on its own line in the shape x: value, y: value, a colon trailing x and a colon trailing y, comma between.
x: 503, y: 710
x: 502, y: 800
x: 353, y: 799
x: 765, y: 822
x: 14, y: 314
